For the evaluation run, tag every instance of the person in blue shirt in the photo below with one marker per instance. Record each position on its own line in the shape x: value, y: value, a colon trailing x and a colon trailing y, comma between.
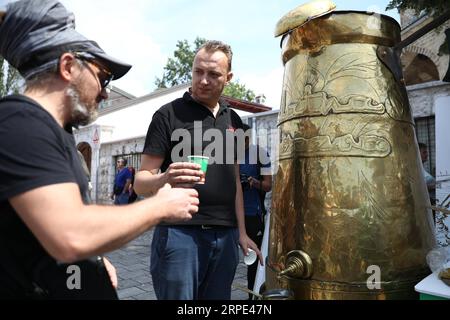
x: 256, y: 180
x: 122, y: 183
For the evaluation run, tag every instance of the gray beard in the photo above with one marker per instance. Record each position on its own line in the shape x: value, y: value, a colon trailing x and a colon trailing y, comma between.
x: 80, y: 114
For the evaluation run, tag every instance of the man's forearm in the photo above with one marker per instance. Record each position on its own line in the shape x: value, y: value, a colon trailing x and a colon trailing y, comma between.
x: 71, y: 231
x: 146, y: 183
x: 240, y: 215
x: 96, y: 236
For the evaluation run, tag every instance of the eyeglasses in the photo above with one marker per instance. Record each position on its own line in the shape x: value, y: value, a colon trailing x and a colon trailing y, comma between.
x: 108, y: 76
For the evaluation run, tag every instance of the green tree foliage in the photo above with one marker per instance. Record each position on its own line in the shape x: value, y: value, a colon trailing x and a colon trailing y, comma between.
x: 178, y: 70
x: 9, y: 78
x: 239, y: 91
x: 434, y: 7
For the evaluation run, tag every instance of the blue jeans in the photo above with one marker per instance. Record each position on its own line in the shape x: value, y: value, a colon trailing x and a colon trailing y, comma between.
x: 190, y: 263
x: 121, y: 198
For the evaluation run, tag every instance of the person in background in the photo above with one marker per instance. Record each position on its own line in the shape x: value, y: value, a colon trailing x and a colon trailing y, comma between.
x: 122, y: 183
x: 51, y: 237
x: 256, y: 180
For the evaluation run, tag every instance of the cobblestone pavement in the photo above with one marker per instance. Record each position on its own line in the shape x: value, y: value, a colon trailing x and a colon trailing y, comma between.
x: 135, y: 283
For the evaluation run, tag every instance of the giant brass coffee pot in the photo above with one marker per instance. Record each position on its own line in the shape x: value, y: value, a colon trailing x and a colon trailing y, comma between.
x: 349, y: 209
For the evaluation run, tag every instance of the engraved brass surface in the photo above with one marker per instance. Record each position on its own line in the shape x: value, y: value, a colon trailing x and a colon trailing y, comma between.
x: 349, y: 190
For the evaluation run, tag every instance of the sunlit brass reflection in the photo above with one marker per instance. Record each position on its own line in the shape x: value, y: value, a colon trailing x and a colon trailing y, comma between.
x: 349, y: 192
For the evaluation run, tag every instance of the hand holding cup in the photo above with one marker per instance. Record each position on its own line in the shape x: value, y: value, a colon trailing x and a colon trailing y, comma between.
x: 183, y: 174
x: 203, y: 162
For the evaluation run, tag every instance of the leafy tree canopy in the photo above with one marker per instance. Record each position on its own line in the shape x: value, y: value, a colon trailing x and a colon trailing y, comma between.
x: 178, y: 69
x: 430, y: 6
x: 239, y: 91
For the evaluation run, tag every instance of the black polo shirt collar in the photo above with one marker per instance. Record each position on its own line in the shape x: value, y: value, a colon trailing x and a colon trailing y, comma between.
x: 223, y: 105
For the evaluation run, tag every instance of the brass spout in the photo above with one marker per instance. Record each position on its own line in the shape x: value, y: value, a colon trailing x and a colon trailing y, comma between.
x: 298, y: 265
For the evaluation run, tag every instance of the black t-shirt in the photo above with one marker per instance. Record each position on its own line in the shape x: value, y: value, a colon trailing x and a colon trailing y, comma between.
x: 34, y: 152
x: 181, y: 121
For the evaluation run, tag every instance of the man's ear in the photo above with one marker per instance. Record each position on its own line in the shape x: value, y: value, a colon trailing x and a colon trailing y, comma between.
x: 229, y: 77
x: 66, y: 65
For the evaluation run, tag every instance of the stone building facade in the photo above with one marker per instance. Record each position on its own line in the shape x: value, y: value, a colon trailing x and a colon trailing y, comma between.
x: 422, y: 61
x: 424, y: 67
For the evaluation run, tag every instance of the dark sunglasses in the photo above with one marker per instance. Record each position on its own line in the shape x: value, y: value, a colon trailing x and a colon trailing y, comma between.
x: 108, y: 76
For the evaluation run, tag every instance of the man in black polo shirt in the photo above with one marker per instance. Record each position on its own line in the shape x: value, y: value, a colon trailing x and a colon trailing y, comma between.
x: 197, y: 259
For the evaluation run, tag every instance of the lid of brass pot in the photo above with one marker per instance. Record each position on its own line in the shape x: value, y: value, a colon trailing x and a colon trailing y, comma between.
x: 302, y: 14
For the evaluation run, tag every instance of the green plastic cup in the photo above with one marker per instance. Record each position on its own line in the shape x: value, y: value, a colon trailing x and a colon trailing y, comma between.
x: 203, y: 162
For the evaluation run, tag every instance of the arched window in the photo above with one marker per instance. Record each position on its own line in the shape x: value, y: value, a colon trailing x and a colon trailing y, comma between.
x: 86, y: 151
x: 421, y: 69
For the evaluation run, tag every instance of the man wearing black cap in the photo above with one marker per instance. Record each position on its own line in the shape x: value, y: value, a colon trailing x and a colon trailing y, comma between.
x: 49, y: 236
